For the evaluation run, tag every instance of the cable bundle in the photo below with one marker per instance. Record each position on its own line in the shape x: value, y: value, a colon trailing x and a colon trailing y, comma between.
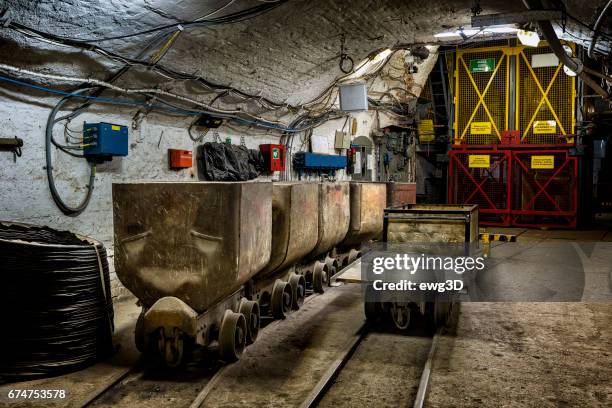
x: 56, y: 307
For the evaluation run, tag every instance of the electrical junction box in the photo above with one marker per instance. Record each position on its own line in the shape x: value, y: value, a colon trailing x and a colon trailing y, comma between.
x: 353, y: 97
x: 180, y: 159
x: 274, y: 157
x: 104, y: 140
x: 305, y: 161
x: 343, y: 140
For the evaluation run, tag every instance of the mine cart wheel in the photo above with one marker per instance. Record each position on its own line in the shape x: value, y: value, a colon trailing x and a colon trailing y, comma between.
x: 281, y: 299
x: 451, y: 311
x: 373, y: 309
x: 332, y: 266
x: 436, y: 314
x: 232, y: 336
x: 174, y: 349
x: 250, y: 310
x: 345, y: 262
x: 298, y: 289
x: 443, y: 313
x: 139, y: 333
x: 400, y: 314
x: 353, y: 256
x: 319, y: 277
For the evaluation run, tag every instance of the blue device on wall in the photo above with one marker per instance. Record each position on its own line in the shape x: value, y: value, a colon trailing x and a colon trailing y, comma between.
x: 315, y: 162
x: 104, y: 140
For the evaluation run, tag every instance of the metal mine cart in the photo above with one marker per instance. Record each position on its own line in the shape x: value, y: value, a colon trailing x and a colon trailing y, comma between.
x: 208, y: 260
x: 421, y: 225
x: 186, y: 251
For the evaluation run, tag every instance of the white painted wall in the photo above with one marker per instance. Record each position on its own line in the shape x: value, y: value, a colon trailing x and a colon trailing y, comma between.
x: 24, y: 190
x: 24, y: 193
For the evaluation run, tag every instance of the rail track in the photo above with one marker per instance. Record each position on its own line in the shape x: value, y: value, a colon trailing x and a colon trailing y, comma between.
x: 197, y: 388
x: 134, y: 379
x: 327, y: 380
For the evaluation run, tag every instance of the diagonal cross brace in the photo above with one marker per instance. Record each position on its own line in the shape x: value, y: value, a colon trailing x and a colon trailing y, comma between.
x: 481, y: 96
x: 544, y: 97
x: 476, y: 183
x: 542, y: 188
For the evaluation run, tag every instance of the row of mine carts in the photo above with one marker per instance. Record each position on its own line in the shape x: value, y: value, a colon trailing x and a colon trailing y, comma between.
x: 208, y: 260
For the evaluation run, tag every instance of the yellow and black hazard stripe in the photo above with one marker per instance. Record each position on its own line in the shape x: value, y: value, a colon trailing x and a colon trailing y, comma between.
x: 486, y: 238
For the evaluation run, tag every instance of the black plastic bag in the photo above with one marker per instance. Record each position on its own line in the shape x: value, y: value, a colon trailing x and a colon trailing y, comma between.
x: 212, y: 162
x: 223, y: 162
x: 241, y: 154
x: 231, y: 164
x: 256, y: 163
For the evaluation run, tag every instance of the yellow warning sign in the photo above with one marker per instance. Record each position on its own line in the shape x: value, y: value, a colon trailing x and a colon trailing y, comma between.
x: 541, y: 127
x: 481, y: 161
x: 542, y: 162
x: 426, y: 131
x: 480, y: 128
x: 115, y: 127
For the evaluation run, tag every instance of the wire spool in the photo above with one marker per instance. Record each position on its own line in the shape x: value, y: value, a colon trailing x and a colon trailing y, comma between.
x: 56, y: 311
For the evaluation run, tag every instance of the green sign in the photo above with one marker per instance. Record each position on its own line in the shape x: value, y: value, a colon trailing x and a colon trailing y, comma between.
x: 482, y: 65
x: 275, y: 153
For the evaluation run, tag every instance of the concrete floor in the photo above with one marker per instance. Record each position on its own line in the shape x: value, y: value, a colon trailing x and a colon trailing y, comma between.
x: 527, y: 354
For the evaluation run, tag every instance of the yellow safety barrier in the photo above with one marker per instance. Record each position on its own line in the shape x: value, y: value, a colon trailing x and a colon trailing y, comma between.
x: 544, y: 95
x: 545, y: 98
x: 481, y: 98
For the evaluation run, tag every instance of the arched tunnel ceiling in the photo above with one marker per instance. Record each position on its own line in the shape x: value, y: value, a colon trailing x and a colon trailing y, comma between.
x: 288, y: 53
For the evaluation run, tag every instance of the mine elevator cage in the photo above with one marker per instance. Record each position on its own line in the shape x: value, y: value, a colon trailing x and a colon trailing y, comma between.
x: 513, y: 88
x: 513, y: 150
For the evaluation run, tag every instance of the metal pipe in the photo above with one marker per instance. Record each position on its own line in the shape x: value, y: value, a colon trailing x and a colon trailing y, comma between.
x: 553, y: 41
x: 596, y: 28
x: 598, y: 74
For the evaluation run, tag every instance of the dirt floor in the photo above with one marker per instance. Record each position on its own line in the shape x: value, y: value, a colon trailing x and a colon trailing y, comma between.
x: 82, y: 386
x: 494, y: 355
x: 498, y: 354
x: 285, y: 364
x: 384, y: 371
x: 526, y: 355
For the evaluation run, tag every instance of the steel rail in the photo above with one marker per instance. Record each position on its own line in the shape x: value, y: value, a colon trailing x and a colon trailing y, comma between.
x: 419, y: 400
x: 332, y: 372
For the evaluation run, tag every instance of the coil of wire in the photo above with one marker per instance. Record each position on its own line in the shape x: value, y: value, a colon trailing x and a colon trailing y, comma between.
x: 56, y: 305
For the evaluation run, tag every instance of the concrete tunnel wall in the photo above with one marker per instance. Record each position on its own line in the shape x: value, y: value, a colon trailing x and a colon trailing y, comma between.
x: 25, y: 192
x: 23, y: 112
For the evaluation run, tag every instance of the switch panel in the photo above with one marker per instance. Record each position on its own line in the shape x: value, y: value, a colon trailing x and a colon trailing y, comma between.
x: 105, y: 140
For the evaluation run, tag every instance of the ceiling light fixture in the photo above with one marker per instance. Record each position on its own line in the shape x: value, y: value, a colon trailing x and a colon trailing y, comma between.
x: 447, y: 34
x: 501, y: 30
x: 528, y: 38
x: 468, y: 32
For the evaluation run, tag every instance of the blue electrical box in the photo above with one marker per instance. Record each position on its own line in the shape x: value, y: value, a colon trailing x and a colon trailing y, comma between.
x: 306, y: 161
x: 105, y: 140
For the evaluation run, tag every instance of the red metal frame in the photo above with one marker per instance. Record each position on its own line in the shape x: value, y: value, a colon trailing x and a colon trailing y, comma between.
x: 534, y: 197
x: 521, y: 146
x: 492, y: 210
x: 542, y: 207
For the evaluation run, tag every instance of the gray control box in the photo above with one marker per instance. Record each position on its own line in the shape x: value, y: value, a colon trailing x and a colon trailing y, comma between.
x: 353, y: 97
